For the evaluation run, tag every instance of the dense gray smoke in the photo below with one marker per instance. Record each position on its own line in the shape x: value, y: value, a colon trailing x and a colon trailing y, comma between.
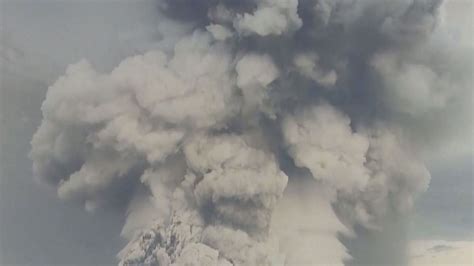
x: 259, y: 132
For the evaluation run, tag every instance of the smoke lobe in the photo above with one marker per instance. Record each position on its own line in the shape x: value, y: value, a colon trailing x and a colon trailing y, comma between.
x: 259, y: 132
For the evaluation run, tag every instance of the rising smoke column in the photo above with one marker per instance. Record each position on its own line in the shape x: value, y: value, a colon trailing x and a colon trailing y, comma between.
x: 259, y: 132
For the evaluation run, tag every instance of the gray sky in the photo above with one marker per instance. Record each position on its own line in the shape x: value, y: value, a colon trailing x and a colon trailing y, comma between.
x: 38, y: 40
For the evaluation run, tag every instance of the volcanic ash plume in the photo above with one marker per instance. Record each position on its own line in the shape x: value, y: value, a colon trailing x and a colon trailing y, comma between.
x: 258, y: 132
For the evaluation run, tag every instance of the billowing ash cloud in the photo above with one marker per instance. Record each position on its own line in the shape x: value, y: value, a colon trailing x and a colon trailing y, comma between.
x: 258, y: 132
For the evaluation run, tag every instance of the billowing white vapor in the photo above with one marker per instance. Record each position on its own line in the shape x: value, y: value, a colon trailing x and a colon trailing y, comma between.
x: 263, y: 134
